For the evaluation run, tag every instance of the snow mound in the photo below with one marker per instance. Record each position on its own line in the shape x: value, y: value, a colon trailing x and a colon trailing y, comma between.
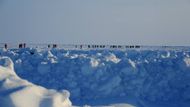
x: 187, y: 61
x: 16, y: 92
x: 112, y: 58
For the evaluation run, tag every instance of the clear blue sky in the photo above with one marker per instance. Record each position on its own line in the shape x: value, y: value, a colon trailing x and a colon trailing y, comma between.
x: 146, y: 22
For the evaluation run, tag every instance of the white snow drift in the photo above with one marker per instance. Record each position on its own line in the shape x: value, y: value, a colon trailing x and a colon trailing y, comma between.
x: 16, y: 92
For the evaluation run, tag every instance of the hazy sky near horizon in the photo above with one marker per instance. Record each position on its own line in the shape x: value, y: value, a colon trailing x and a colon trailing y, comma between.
x: 145, y: 22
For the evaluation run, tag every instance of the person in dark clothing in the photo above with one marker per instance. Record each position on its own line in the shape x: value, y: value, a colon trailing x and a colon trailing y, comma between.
x: 48, y: 46
x: 119, y: 46
x: 114, y: 46
x: 54, y: 45
x: 80, y: 46
x: 24, y: 45
x: 137, y: 46
x: 20, y: 45
x: 5, y: 46
x: 132, y: 46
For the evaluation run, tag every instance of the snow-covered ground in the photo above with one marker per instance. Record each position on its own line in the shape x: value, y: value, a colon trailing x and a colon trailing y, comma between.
x: 111, y: 78
x: 16, y: 92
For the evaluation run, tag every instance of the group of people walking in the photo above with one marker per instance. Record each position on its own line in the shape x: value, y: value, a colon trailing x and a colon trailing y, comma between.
x: 104, y: 46
x: 23, y: 45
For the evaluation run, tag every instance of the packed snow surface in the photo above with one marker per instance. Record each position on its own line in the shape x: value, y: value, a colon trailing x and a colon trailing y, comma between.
x: 116, y: 78
x: 16, y: 92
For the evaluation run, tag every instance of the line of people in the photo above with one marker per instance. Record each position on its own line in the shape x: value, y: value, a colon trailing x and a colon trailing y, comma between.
x: 23, y: 45
x: 111, y: 46
x: 20, y: 45
x: 127, y: 46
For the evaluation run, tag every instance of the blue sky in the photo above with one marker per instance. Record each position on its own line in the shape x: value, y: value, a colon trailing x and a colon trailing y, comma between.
x: 145, y: 22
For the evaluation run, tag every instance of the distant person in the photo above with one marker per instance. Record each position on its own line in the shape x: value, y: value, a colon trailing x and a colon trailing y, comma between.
x: 54, y: 45
x: 48, y: 46
x: 137, y: 46
x: 126, y: 46
x: 5, y: 46
x: 80, y: 46
x: 119, y: 46
x: 20, y: 45
x: 132, y: 46
x: 24, y: 45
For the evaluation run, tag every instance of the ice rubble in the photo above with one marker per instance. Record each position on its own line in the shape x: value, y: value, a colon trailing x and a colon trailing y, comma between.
x: 152, y: 77
x: 16, y: 92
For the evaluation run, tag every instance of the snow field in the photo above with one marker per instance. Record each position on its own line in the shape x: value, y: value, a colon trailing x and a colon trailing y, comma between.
x: 153, y: 76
